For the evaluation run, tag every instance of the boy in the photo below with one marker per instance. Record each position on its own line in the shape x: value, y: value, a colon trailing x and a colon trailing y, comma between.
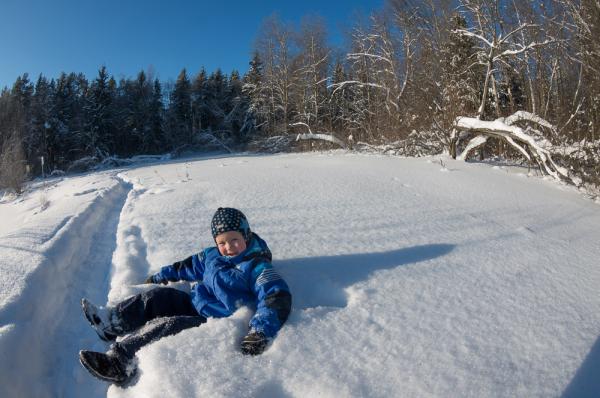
x: 237, y: 271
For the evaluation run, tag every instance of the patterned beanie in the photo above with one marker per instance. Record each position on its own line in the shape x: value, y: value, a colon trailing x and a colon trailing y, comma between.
x: 228, y: 219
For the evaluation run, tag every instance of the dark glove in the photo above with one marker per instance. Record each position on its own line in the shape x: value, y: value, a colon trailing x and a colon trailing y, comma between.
x: 150, y: 279
x: 254, y: 343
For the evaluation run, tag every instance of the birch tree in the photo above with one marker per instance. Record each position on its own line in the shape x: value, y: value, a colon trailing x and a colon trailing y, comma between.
x: 313, y: 68
x: 377, y: 79
x: 501, y: 44
x: 496, y: 45
x: 275, y: 48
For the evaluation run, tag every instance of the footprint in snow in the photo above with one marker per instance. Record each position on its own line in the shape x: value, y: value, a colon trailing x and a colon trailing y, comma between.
x: 160, y: 190
x: 526, y: 230
x: 404, y: 185
x: 84, y: 192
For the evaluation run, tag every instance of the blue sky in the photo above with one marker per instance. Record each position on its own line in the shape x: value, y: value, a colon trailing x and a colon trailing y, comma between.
x: 50, y: 36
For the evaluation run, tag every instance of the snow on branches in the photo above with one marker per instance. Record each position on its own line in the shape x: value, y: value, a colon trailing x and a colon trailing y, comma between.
x: 317, y: 136
x: 533, y: 148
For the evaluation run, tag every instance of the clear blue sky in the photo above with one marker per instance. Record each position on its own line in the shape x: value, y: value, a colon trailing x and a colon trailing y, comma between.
x: 50, y: 36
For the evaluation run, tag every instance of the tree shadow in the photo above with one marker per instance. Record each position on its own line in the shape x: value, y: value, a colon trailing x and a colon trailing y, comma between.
x: 321, y: 281
x: 586, y: 382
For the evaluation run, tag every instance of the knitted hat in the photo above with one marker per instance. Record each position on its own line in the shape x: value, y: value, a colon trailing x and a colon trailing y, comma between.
x: 228, y: 219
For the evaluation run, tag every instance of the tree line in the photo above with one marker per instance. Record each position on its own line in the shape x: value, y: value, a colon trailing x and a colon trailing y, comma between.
x: 403, y: 77
x: 70, y: 118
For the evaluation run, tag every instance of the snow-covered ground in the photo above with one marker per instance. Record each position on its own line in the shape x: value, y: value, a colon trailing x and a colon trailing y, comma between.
x: 409, y: 279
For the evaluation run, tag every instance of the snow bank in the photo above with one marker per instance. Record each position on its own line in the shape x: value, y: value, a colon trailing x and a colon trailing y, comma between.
x: 47, y: 265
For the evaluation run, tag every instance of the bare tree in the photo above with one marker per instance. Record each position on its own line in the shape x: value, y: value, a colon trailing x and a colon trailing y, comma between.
x: 313, y: 67
x: 499, y: 42
x: 274, y: 46
x: 377, y: 79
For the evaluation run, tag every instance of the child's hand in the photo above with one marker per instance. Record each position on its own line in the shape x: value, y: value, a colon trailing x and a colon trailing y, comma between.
x: 254, y: 343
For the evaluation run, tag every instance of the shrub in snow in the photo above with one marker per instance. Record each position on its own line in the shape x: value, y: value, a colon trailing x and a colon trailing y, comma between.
x: 83, y: 164
x: 417, y: 144
x: 12, y: 165
x: 275, y: 144
x: 57, y: 173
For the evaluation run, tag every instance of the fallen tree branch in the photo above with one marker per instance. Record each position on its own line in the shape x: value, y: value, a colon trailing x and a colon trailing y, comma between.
x: 317, y: 136
x: 502, y: 128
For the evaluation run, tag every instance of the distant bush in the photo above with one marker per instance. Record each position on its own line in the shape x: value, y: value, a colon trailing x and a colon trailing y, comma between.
x: 13, y: 171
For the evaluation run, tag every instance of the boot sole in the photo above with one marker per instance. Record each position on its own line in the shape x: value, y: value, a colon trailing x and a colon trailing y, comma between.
x: 108, y: 337
x: 88, y: 366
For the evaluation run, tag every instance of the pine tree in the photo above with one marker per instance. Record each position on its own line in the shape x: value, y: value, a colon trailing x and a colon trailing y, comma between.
x: 252, y: 87
x: 100, y: 123
x: 155, y: 136
x: 460, y: 83
x: 140, y: 112
x: 215, y: 100
x: 236, y: 105
x: 68, y: 118
x: 40, y: 113
x: 21, y: 98
x: 200, y: 111
x: 180, y: 111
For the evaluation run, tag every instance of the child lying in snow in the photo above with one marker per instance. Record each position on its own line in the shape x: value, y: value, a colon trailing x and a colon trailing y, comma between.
x: 237, y: 271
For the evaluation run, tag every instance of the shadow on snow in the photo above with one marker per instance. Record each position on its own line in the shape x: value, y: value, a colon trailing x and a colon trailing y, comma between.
x: 320, y: 281
x: 586, y: 382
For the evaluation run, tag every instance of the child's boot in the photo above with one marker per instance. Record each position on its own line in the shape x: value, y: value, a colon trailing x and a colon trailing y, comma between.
x: 108, y: 367
x: 100, y: 319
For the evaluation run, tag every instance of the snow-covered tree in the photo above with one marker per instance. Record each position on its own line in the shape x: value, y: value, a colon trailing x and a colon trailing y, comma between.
x: 236, y: 104
x: 313, y: 67
x: 256, y: 114
x: 340, y: 102
x: 460, y: 88
x: 275, y: 48
x: 500, y: 42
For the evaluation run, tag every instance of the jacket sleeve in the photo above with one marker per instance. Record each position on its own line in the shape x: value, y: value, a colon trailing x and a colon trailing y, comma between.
x: 274, y: 300
x: 190, y: 269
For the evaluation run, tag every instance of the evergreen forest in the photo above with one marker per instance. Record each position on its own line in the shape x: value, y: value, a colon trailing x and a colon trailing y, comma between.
x: 400, y: 81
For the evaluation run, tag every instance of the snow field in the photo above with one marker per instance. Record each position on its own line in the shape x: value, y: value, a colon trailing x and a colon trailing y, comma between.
x: 408, y: 279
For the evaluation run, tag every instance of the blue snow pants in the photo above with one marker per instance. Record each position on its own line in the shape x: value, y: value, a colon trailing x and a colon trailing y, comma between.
x: 148, y: 316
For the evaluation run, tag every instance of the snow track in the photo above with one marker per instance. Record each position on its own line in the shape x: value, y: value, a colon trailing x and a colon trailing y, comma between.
x: 43, y: 330
x: 130, y: 264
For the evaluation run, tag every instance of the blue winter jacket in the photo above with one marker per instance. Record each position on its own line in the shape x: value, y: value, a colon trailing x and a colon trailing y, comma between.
x: 226, y: 283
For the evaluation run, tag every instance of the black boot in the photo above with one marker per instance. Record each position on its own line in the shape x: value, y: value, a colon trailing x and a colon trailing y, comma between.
x: 100, y: 319
x: 107, y: 367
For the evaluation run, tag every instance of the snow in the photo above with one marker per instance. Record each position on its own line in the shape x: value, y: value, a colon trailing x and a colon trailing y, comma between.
x: 408, y: 279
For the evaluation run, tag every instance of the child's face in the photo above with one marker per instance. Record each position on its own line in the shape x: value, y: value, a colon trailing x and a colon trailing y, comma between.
x: 230, y: 243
